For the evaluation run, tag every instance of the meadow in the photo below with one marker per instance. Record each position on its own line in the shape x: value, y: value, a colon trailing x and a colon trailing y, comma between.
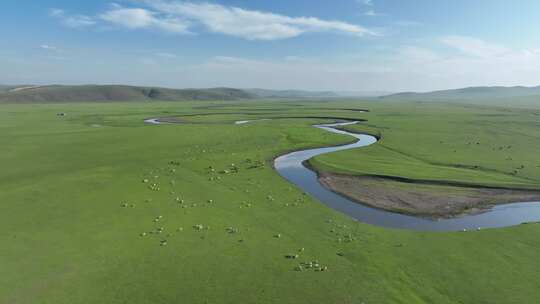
x: 97, y: 207
x: 467, y: 144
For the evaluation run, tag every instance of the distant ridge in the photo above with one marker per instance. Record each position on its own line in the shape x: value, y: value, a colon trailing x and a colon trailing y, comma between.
x: 111, y: 93
x: 480, y: 93
x: 106, y: 93
x: 264, y: 93
x: 125, y: 93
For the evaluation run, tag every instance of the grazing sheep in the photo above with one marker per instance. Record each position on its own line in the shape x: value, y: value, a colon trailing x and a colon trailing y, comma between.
x: 232, y: 230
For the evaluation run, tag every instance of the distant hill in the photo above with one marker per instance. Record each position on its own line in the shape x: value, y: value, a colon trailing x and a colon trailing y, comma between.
x: 363, y: 93
x: 5, y: 87
x: 105, y: 93
x: 471, y: 93
x: 263, y: 93
x: 111, y: 93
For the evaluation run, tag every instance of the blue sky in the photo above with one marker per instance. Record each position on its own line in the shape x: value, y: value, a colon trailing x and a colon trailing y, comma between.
x: 347, y: 45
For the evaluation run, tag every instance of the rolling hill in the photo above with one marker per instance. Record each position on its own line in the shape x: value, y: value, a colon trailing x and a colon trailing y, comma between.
x: 105, y: 93
x: 263, y: 93
x: 470, y: 93
x: 125, y: 93
x: 110, y: 93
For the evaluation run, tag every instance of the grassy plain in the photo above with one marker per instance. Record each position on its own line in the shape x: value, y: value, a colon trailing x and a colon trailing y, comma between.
x: 474, y: 145
x: 81, y: 224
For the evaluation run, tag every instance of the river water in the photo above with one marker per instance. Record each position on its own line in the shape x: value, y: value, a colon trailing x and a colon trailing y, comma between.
x: 290, y: 166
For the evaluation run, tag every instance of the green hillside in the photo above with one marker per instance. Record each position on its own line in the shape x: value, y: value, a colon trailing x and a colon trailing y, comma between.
x: 470, y: 93
x: 104, y: 93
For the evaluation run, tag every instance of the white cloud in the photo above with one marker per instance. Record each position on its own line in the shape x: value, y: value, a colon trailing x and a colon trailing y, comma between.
x: 404, y: 69
x: 474, y: 47
x: 373, y: 13
x: 251, y: 24
x: 73, y: 21
x: 79, y: 21
x: 55, y: 12
x: 166, y: 55
x: 370, y: 12
x: 476, y: 63
x: 365, y: 2
x: 48, y: 47
x: 182, y: 16
x: 138, y: 18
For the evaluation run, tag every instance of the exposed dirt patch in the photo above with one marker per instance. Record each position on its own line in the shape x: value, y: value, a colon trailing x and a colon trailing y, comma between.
x: 434, y: 201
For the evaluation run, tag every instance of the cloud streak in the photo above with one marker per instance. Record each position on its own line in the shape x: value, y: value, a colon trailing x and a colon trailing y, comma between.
x: 48, y: 47
x: 365, y: 2
x: 183, y: 17
x: 72, y: 21
x: 373, y: 13
x: 139, y: 18
x: 405, y: 68
x: 251, y: 24
x: 474, y: 47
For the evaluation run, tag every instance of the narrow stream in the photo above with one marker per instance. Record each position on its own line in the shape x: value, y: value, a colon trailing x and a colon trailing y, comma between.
x: 290, y: 166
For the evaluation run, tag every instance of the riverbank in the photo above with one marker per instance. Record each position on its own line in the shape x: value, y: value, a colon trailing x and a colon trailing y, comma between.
x: 421, y: 199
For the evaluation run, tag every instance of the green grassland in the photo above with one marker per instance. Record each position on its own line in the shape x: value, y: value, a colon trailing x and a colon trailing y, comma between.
x: 474, y: 145
x: 97, y: 207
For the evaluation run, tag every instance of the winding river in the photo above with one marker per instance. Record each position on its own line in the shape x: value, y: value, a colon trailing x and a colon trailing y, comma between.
x: 290, y: 166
